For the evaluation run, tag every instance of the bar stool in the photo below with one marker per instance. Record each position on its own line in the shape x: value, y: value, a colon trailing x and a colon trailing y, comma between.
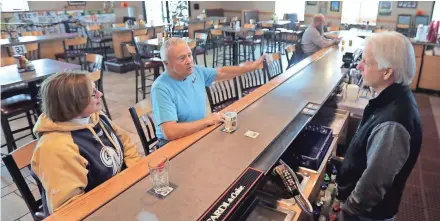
x: 290, y: 49
x: 142, y: 111
x: 96, y: 35
x: 252, y: 80
x: 145, y: 51
x: 218, y: 40
x: 14, y: 162
x: 141, y: 65
x: 249, y: 45
x: 270, y: 34
x: 221, y: 94
x: 201, y: 40
x: 273, y: 65
x: 73, y: 48
x: 93, y: 63
x: 179, y: 31
x: 15, y: 102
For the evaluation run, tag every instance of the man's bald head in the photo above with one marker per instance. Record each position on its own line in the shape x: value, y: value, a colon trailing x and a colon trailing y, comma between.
x: 318, y: 20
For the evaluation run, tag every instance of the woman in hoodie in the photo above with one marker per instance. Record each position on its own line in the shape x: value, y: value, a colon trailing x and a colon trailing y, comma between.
x: 79, y: 148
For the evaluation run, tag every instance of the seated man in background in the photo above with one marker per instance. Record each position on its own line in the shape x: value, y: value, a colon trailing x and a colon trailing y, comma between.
x: 387, y: 143
x: 178, y: 95
x: 313, y: 39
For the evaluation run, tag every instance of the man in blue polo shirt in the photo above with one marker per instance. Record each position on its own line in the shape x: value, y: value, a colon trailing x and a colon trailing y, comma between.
x: 178, y: 95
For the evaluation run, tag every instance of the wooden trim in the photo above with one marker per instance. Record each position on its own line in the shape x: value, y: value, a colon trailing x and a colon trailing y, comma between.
x: 96, y: 198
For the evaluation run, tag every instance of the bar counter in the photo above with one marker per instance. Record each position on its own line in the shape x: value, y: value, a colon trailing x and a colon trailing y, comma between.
x: 204, y: 164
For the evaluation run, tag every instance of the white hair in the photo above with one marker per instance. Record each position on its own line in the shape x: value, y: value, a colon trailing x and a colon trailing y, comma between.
x: 394, y: 50
x: 167, y: 45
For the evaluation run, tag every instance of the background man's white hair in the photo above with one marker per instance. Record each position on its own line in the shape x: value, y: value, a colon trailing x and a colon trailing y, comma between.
x: 167, y: 45
x: 394, y: 50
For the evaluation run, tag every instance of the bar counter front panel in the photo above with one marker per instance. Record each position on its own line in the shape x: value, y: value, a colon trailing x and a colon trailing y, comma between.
x: 206, y: 169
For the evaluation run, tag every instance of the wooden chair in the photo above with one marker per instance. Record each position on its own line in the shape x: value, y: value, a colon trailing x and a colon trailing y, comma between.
x: 290, y: 49
x: 4, y: 35
x: 209, y: 24
x: 140, y: 66
x: 93, y: 63
x: 96, y: 35
x: 201, y: 44
x: 221, y: 94
x: 252, y: 80
x: 32, y: 51
x: 73, y: 48
x: 142, y: 112
x: 14, y: 162
x: 273, y: 65
x: 32, y: 33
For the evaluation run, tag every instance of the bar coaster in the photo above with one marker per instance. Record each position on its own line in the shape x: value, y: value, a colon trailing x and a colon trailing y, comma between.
x: 163, y: 194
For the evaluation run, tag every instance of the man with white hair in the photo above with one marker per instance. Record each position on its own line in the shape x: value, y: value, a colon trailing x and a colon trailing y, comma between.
x: 178, y: 95
x: 387, y: 143
x: 313, y: 39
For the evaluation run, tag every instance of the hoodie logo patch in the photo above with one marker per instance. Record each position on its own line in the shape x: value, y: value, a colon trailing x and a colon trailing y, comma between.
x: 110, y: 158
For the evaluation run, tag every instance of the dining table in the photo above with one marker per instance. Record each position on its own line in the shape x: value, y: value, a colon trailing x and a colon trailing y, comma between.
x: 43, y: 68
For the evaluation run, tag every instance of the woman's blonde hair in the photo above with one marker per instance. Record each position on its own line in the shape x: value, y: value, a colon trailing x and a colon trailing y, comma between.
x: 65, y: 95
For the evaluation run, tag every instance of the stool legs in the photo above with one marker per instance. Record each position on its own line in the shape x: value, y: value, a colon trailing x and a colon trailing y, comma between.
x: 8, y: 134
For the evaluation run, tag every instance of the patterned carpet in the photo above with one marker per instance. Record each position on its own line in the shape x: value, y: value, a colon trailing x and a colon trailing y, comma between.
x: 422, y: 192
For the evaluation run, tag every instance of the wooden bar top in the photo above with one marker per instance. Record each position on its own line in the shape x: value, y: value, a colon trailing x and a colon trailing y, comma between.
x: 34, y: 39
x: 9, y: 75
x: 212, y: 159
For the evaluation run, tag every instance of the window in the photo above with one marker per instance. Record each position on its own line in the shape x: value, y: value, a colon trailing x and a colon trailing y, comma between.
x: 14, y: 5
x: 436, y: 13
x: 284, y: 6
x: 359, y: 11
x: 153, y: 14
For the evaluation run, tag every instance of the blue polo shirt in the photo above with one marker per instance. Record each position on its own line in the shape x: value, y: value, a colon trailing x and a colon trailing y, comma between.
x: 180, y: 101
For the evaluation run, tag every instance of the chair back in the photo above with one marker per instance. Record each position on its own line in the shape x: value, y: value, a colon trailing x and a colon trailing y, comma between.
x: 273, y: 65
x: 141, y: 114
x: 222, y: 93
x: 192, y: 45
x: 140, y: 32
x: 93, y: 62
x: 252, y: 80
x: 290, y: 49
x: 6, y: 61
x: 78, y: 43
x: 14, y: 162
x: 249, y: 25
x: 234, y: 19
x: 93, y: 27
x: 118, y: 25
x: 142, y: 48
x: 4, y: 35
x: 222, y: 20
x: 32, y: 33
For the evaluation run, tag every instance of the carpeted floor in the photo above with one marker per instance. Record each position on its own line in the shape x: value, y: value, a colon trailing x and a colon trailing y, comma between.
x: 422, y: 192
